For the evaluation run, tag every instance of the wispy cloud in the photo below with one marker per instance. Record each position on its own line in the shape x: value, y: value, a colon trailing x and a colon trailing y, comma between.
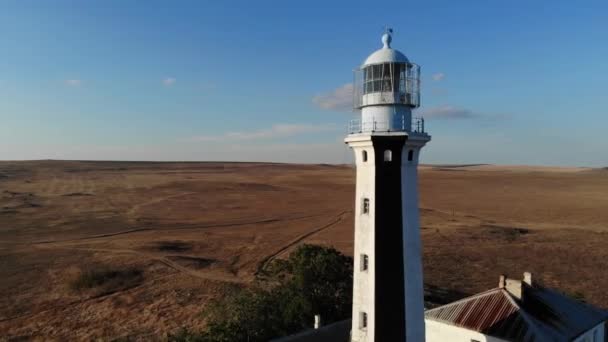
x: 169, y: 81
x: 340, y: 99
x: 275, y: 131
x: 73, y: 82
x: 448, y: 112
x: 438, y: 76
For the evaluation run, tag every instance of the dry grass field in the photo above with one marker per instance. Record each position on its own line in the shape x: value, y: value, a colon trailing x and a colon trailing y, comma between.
x: 165, y: 238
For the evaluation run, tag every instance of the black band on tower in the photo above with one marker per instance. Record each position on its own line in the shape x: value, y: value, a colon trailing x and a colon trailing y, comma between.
x: 389, y: 263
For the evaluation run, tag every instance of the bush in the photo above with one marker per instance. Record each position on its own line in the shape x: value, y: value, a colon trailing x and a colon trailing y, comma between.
x: 313, y: 280
x: 107, y: 280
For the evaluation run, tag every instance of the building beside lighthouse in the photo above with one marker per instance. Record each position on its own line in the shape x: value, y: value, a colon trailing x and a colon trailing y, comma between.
x: 388, y: 303
x: 517, y: 310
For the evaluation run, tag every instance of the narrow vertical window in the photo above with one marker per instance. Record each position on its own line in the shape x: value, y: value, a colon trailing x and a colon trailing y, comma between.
x: 410, y: 155
x: 388, y: 155
x: 362, y: 320
x: 365, y: 205
x: 364, y: 262
x: 364, y: 155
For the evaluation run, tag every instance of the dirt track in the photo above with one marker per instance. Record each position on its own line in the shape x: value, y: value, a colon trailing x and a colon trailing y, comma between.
x: 193, y: 228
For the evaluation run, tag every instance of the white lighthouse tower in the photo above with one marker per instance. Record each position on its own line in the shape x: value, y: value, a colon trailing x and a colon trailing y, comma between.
x: 388, y: 302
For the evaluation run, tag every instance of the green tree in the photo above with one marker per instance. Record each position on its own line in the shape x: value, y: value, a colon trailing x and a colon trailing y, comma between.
x: 313, y: 280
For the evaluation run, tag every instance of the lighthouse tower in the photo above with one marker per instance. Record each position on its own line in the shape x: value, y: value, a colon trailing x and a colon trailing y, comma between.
x: 388, y: 302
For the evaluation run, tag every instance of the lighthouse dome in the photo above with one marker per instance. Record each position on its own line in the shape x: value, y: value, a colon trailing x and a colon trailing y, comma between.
x: 386, y: 54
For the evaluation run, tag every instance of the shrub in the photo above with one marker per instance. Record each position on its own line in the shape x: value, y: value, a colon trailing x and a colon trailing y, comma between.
x: 107, y: 280
x: 313, y: 280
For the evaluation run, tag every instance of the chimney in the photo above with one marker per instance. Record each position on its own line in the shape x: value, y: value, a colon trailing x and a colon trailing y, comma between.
x: 513, y: 286
x: 528, y: 278
x: 501, y: 281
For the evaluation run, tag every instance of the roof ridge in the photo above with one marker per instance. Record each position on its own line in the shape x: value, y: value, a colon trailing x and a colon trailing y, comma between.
x: 534, y: 331
x: 475, y: 296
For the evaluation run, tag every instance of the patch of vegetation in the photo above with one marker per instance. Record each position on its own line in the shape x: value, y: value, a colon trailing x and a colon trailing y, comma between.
x: 192, y: 262
x: 507, y: 233
x: 72, y: 194
x: 313, y: 280
x: 173, y: 246
x: 107, y: 280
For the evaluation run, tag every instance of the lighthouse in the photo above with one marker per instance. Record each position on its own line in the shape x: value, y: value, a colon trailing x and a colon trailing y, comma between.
x: 388, y: 296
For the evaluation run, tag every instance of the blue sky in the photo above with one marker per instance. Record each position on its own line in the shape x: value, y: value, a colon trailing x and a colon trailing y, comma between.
x: 508, y: 82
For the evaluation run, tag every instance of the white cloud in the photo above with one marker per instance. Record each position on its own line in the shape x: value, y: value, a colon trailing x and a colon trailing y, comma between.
x: 448, y: 112
x: 276, y: 131
x: 169, y: 81
x: 438, y: 76
x: 340, y: 99
x: 73, y: 82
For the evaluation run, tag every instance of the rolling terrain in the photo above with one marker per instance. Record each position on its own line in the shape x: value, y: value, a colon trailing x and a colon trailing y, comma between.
x: 187, y: 230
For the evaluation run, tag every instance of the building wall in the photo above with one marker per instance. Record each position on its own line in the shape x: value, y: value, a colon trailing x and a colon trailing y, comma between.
x: 414, y: 299
x: 379, y: 291
x: 363, y: 282
x: 597, y: 334
x: 386, y: 118
x: 390, y: 292
x: 335, y: 332
x: 441, y: 332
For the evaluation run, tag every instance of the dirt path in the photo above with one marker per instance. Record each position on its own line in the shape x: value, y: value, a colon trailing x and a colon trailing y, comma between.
x: 297, y: 240
x: 150, y: 256
x: 131, y: 212
x: 177, y: 227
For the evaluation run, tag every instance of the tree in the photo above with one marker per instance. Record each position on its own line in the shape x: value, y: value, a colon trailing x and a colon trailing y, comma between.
x: 313, y: 280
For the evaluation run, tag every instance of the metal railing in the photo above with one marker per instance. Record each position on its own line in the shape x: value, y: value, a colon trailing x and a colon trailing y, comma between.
x: 399, y: 125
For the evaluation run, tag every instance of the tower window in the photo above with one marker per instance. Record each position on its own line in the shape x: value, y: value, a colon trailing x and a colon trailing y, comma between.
x: 388, y: 155
x: 364, y: 156
x: 362, y: 320
x: 364, y: 262
x: 410, y: 155
x: 365, y: 208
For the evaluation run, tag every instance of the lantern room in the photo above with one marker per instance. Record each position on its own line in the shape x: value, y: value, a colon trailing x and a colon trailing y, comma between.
x: 386, y: 89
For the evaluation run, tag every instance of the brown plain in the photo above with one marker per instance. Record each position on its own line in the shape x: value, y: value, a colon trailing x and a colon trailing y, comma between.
x: 193, y: 228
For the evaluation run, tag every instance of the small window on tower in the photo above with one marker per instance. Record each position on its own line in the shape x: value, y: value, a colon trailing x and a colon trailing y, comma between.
x: 365, y: 208
x: 410, y: 155
x: 388, y: 155
x: 364, y: 156
x: 364, y: 262
x: 362, y: 320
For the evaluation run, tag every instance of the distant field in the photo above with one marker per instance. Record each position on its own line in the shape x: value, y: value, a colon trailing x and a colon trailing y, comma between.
x: 115, y: 249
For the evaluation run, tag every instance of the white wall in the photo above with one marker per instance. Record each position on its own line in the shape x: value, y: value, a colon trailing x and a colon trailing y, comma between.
x: 364, y: 282
x: 387, y: 118
x: 412, y: 246
x: 440, y: 332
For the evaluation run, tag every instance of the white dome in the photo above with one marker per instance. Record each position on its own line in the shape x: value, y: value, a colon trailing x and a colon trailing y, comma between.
x: 386, y: 55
